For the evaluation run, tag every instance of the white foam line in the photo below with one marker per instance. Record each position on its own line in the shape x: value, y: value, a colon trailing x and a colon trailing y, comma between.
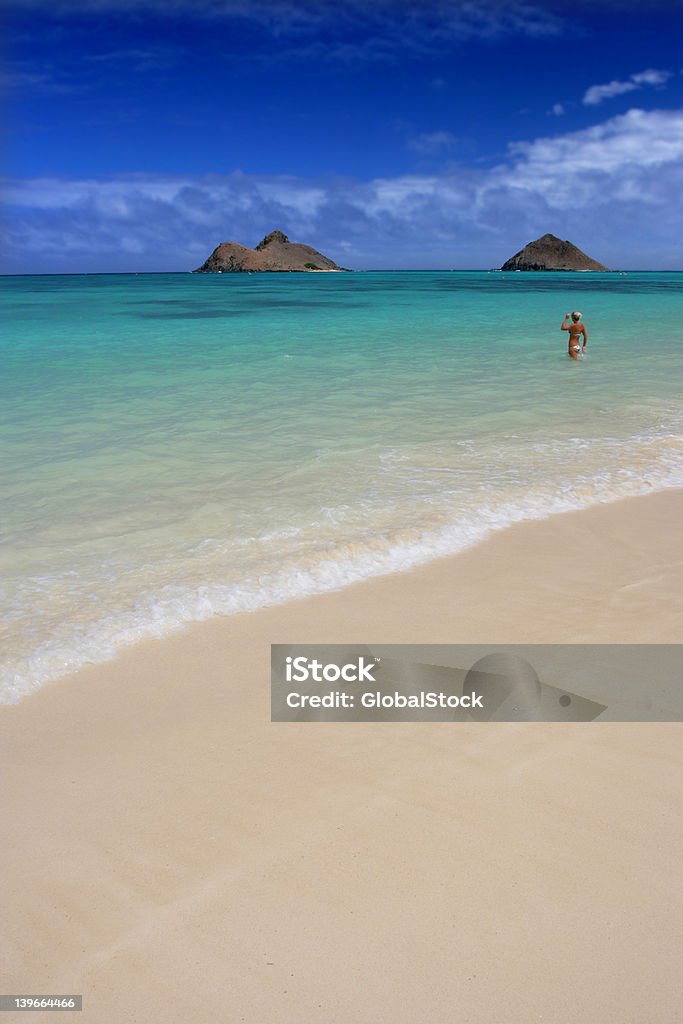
x: 158, y: 615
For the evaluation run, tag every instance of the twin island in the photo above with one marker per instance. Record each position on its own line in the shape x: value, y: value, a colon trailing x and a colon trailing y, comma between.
x: 275, y: 253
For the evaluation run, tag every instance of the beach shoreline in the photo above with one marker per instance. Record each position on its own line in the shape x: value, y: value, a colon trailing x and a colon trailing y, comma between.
x: 96, y: 653
x: 173, y: 850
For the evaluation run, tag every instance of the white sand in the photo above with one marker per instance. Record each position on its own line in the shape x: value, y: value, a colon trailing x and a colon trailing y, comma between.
x: 176, y: 857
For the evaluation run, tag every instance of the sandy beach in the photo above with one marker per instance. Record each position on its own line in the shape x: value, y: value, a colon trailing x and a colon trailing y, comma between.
x: 174, y: 856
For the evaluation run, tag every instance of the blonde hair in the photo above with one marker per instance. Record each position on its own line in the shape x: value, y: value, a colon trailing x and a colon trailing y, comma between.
x: 576, y: 315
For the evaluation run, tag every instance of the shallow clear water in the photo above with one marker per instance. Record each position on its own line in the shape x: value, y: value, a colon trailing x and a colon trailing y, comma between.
x: 179, y: 445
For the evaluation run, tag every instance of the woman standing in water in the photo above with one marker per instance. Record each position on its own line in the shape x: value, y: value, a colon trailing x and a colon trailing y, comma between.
x: 576, y: 331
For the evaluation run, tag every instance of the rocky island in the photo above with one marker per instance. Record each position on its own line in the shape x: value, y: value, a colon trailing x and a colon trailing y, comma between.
x: 551, y: 253
x: 275, y: 252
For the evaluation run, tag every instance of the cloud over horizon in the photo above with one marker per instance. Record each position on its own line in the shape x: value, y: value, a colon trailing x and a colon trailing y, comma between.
x: 612, y: 188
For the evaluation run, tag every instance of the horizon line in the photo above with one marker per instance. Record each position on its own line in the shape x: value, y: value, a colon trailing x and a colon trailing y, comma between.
x: 373, y: 270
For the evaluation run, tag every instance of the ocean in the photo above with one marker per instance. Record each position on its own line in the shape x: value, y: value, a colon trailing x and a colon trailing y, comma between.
x: 175, y: 446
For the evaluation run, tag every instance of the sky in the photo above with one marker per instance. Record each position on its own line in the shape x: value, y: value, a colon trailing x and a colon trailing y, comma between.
x: 139, y: 134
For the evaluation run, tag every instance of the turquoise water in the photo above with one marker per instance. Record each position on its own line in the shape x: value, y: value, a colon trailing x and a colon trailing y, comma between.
x: 179, y: 445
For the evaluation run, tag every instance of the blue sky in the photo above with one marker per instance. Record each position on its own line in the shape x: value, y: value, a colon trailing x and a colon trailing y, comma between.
x: 141, y: 133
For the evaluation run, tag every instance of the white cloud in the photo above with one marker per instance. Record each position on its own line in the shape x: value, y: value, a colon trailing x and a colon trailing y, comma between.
x: 598, y: 93
x: 631, y: 142
x: 651, y: 77
x: 612, y: 188
x: 557, y: 109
